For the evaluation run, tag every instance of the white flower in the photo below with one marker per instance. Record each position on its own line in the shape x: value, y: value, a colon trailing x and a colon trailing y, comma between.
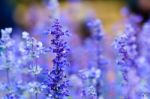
x: 6, y: 31
x: 2, y: 86
x: 97, y: 72
x: 6, y: 34
x: 35, y: 87
x: 40, y: 44
x: 36, y: 70
x: 25, y: 35
x: 21, y: 48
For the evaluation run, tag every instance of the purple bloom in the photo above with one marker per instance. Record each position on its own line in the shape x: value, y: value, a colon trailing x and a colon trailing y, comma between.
x: 57, y: 79
x: 92, y: 77
x: 131, y: 63
x: 143, y: 59
x: 97, y: 35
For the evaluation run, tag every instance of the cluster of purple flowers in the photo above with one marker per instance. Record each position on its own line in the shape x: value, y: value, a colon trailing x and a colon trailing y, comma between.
x: 21, y: 61
x: 143, y: 60
x: 132, y: 60
x: 126, y: 46
x: 57, y: 82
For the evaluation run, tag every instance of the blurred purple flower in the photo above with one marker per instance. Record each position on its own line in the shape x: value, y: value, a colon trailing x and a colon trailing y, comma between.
x: 130, y: 61
x: 92, y: 76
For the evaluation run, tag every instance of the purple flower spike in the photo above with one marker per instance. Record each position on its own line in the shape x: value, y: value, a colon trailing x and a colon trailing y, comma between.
x: 92, y: 76
x: 57, y: 83
x: 132, y: 62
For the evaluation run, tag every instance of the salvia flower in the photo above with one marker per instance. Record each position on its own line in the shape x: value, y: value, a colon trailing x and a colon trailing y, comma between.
x: 31, y: 49
x: 35, y: 87
x: 57, y: 79
x: 97, y: 35
x: 143, y: 60
x: 93, y: 81
x: 128, y: 59
x: 90, y: 80
x: 14, y: 90
x: 9, y: 66
x: 6, y: 34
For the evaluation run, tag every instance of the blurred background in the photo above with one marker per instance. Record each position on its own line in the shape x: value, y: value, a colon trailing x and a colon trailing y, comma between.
x: 28, y: 13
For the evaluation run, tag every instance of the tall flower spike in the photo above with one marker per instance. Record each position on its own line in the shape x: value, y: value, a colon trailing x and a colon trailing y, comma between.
x: 97, y: 35
x: 127, y: 49
x: 143, y: 62
x: 10, y: 65
x: 57, y: 82
x: 92, y: 77
x: 31, y: 49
